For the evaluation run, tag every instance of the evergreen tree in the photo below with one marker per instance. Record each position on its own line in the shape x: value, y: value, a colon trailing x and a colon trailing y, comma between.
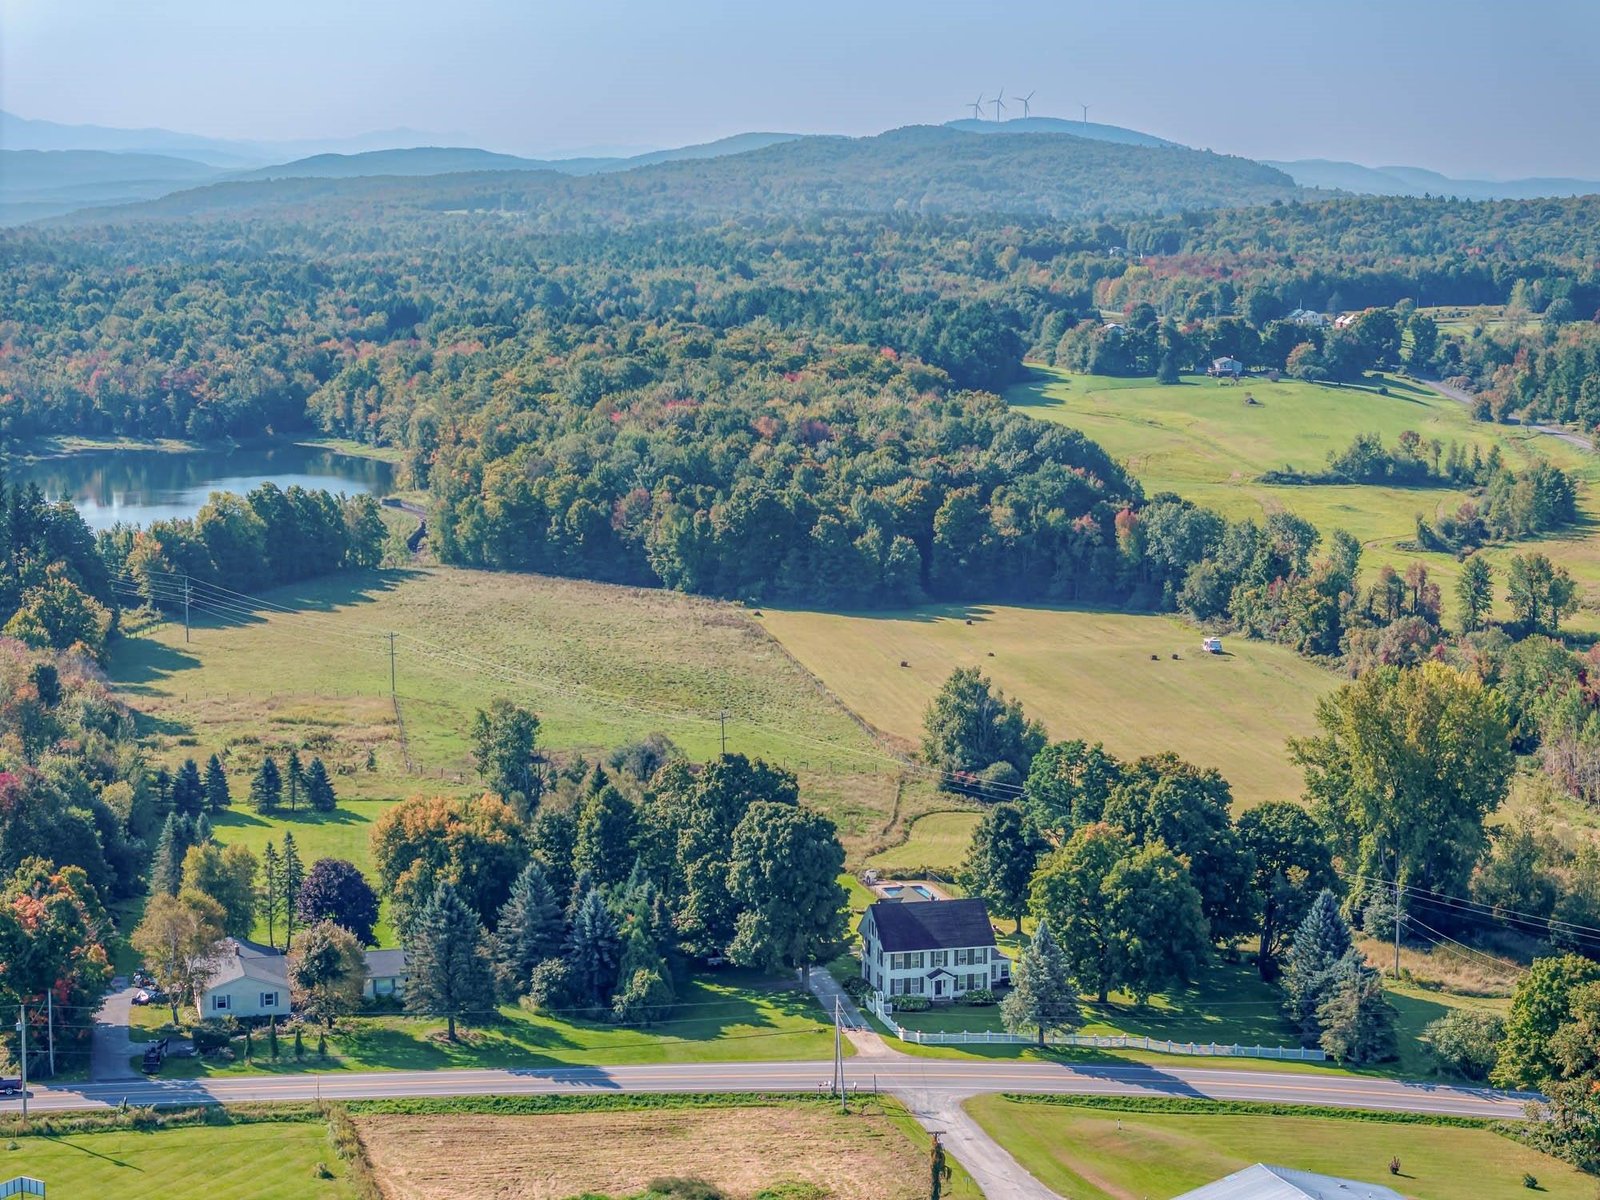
x: 529, y: 930
x: 188, y: 792
x: 644, y: 983
x: 319, y: 788
x: 166, y: 864
x: 217, y: 794
x: 202, y: 830
x: 294, y: 779
x: 1320, y: 944
x: 450, y: 975
x: 1042, y: 997
x: 266, y: 788
x: 593, y: 951
x: 293, y: 879
x: 271, y: 890
x: 1357, y: 1020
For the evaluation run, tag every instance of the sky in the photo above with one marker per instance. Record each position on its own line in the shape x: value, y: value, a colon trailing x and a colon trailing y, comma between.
x: 1461, y: 86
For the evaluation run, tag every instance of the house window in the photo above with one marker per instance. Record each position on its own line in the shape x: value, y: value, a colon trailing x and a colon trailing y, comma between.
x: 894, y: 986
x: 269, y: 999
x: 940, y: 958
x: 962, y: 957
x: 981, y: 955
x: 221, y: 1001
x: 916, y: 986
x: 916, y: 960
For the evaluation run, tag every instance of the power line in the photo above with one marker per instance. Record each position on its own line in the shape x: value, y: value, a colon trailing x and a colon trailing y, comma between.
x: 1493, y: 911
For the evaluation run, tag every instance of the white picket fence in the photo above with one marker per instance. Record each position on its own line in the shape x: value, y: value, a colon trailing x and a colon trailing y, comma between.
x: 880, y: 1008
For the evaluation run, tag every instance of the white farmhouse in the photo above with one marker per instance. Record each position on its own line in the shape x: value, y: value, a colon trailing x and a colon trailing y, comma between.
x: 941, y: 949
x: 248, y: 981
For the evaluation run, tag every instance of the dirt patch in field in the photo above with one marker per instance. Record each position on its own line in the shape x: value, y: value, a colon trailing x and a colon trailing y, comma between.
x: 741, y: 1150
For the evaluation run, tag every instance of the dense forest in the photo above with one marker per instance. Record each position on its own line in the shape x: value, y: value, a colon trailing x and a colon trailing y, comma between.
x: 622, y: 385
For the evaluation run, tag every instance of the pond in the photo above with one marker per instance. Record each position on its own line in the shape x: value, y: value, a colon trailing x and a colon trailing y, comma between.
x: 137, y: 486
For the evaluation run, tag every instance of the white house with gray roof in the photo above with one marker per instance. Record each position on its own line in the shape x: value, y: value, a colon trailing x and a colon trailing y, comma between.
x: 249, y: 980
x: 941, y: 949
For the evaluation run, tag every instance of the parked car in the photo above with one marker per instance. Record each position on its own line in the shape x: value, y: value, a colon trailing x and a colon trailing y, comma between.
x: 10, y: 1087
x: 150, y: 995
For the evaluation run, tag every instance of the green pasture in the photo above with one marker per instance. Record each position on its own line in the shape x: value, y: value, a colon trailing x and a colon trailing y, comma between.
x: 1100, y: 1154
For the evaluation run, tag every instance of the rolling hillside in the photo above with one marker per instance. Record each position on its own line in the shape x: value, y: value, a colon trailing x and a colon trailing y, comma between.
x: 919, y: 169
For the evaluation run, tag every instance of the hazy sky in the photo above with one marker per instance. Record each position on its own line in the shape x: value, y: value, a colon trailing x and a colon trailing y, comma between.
x: 1462, y: 86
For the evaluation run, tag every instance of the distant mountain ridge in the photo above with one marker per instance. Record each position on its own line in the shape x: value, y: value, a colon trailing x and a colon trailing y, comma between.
x: 1417, y: 181
x: 1092, y: 130
x: 915, y: 170
x: 445, y: 160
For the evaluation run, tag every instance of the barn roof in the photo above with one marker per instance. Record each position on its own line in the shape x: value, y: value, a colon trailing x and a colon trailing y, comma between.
x: 932, y: 925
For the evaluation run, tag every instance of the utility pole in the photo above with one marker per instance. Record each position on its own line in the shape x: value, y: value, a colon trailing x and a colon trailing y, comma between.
x: 391, y: 664
x: 22, y: 1029
x: 722, y: 718
x: 838, y: 1051
x: 186, y: 610
x: 1399, y: 892
x: 50, y: 1028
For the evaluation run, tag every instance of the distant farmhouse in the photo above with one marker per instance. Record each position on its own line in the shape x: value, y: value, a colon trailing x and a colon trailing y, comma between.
x: 1262, y: 1182
x: 252, y: 980
x: 1308, y: 317
x: 1225, y: 368
x: 941, y: 949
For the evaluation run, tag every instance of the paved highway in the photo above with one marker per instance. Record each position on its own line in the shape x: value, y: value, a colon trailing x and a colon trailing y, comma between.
x: 926, y: 1083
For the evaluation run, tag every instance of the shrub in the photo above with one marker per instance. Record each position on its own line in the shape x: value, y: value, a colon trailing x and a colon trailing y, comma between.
x: 1530, y: 1181
x: 911, y: 1004
x: 1465, y: 1042
x: 214, y: 1034
x: 857, y: 988
x: 979, y: 998
x: 683, y: 1189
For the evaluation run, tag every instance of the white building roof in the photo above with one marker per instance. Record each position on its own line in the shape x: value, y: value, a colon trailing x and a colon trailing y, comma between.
x: 1263, y: 1182
x: 246, y: 960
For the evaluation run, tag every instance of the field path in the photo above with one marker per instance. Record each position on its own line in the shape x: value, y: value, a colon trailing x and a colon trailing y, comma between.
x: 1555, y: 431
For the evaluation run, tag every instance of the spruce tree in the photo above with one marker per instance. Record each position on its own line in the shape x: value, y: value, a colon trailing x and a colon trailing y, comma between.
x: 266, y: 788
x: 593, y: 949
x: 293, y: 877
x: 202, y: 830
x: 166, y: 864
x: 217, y: 795
x: 450, y: 975
x: 1356, y: 1018
x: 188, y: 792
x: 1042, y: 997
x: 271, y: 889
x: 319, y: 788
x: 1320, y: 944
x: 294, y: 779
x: 529, y: 930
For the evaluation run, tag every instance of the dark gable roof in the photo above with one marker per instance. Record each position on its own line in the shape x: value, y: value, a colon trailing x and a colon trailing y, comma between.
x: 932, y: 924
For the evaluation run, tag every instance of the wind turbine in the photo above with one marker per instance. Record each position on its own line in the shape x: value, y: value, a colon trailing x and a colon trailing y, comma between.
x: 1085, y: 108
x: 977, y: 108
x: 999, y: 103
x: 1025, y: 100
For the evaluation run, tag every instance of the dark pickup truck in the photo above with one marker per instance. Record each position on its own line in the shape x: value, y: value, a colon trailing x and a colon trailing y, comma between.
x: 10, y: 1087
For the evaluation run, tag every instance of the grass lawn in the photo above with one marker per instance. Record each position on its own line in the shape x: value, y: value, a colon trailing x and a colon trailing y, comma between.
x: 936, y: 842
x: 267, y: 1161
x: 1093, y: 1154
x: 1227, y: 1005
x: 1084, y: 674
x: 1200, y: 440
x: 728, y: 1017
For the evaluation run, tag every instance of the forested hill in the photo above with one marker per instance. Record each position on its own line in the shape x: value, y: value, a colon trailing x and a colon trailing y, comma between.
x: 917, y: 170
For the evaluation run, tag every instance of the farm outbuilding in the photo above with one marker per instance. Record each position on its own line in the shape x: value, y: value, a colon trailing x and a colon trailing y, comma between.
x: 1263, y: 1182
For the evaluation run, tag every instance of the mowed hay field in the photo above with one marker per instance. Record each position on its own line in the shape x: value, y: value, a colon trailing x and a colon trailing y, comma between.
x: 556, y: 1156
x: 1084, y: 674
x: 1081, y: 1152
x: 309, y: 665
x: 1200, y: 440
